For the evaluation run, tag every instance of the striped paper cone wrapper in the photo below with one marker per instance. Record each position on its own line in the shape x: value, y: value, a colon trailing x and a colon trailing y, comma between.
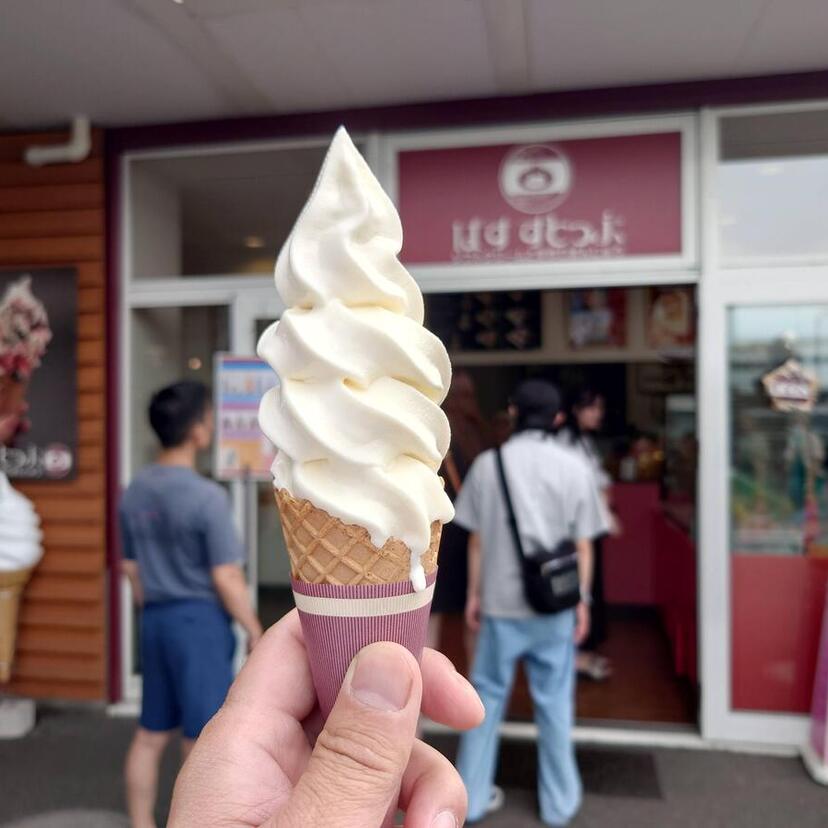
x: 350, y: 593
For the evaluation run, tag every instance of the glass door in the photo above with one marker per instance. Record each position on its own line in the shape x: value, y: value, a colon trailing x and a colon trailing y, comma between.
x: 764, y: 500
x: 269, y: 566
x: 778, y: 400
x: 163, y: 344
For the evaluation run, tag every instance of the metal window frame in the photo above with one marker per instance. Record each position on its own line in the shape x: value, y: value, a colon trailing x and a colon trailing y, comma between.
x: 761, y: 281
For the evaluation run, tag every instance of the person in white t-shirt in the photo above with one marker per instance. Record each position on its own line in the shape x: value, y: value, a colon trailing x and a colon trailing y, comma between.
x: 554, y: 500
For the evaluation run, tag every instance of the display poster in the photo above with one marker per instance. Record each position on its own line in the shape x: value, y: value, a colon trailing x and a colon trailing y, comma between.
x: 671, y: 317
x: 241, y: 449
x: 597, y: 318
x: 608, y: 197
x: 488, y: 321
x: 38, y: 373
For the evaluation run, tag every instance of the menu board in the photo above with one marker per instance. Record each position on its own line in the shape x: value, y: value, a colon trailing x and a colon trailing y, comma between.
x: 491, y: 321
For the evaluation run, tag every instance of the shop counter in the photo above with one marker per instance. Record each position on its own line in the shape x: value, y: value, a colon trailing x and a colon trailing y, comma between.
x: 630, y: 558
x: 675, y: 584
x: 653, y: 563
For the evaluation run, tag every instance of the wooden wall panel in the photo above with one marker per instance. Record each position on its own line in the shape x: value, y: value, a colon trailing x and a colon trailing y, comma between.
x: 54, y: 216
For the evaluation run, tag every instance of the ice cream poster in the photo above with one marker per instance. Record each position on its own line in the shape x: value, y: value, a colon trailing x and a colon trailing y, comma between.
x: 38, y: 373
x: 671, y: 317
x: 241, y: 449
x: 597, y: 318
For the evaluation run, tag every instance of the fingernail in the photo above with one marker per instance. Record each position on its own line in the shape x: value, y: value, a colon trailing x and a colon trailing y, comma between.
x: 445, y: 819
x: 380, y: 680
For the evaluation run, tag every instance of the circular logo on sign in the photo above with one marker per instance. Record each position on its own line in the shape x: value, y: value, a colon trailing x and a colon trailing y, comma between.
x: 57, y: 460
x: 535, y: 178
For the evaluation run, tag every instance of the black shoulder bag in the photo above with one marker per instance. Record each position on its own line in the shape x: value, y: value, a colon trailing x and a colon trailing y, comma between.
x: 550, y: 579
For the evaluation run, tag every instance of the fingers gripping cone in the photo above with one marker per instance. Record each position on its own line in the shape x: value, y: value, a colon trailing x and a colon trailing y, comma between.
x: 350, y: 593
x: 11, y: 588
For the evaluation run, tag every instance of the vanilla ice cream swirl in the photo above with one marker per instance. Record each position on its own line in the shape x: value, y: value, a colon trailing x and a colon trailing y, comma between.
x: 20, y: 535
x: 356, y: 417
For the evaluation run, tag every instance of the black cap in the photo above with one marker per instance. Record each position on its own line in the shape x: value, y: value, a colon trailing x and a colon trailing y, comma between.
x: 538, y: 403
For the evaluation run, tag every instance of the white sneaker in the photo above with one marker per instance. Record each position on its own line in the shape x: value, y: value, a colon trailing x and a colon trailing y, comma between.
x: 496, y: 800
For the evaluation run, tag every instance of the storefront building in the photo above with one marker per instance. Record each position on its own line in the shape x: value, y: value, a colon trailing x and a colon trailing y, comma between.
x: 698, y: 193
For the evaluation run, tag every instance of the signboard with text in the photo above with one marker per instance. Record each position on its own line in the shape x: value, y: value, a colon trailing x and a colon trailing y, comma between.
x: 241, y: 449
x: 586, y: 198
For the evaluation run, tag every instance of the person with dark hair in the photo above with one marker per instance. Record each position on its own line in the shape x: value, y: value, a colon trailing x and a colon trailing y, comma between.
x: 584, y: 418
x: 183, y: 559
x: 554, y: 501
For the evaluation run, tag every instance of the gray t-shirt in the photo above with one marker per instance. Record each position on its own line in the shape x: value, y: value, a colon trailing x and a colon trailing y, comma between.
x: 554, y: 499
x: 177, y: 525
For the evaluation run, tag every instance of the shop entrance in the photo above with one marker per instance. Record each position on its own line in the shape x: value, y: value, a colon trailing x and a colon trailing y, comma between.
x: 635, y: 347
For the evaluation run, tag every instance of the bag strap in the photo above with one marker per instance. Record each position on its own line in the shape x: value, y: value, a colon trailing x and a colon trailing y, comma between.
x: 510, y: 508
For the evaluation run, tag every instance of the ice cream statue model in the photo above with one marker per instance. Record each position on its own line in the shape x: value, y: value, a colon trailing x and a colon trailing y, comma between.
x: 24, y: 335
x: 357, y: 423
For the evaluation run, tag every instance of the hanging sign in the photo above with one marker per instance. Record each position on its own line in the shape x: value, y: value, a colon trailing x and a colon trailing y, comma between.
x: 241, y: 449
x: 791, y: 387
x: 586, y: 198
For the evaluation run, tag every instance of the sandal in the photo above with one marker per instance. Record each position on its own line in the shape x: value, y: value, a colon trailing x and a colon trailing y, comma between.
x: 596, y: 668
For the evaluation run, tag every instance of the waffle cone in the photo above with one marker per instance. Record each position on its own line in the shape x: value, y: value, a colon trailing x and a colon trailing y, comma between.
x: 324, y: 550
x: 11, y: 588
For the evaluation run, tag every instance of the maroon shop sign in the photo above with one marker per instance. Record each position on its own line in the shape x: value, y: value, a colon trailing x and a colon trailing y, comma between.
x: 560, y: 200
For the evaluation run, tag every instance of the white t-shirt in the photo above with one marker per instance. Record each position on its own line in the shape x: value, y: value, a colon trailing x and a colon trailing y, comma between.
x: 554, y: 499
x: 584, y: 447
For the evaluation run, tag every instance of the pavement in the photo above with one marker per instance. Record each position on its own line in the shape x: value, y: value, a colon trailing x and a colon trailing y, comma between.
x: 67, y: 774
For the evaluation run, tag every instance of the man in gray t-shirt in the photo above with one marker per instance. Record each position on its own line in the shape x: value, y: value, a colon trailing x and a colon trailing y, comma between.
x: 177, y: 526
x: 555, y: 499
x: 184, y: 562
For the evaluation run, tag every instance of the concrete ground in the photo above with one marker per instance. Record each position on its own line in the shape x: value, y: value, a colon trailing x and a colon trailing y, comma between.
x: 67, y: 774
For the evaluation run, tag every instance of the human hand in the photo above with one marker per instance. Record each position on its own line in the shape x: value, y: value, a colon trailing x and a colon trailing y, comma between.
x: 266, y: 760
x: 582, y: 622
x: 472, y: 612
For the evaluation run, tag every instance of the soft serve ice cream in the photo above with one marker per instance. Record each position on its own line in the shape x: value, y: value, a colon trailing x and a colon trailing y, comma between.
x: 20, y: 535
x: 356, y: 417
x: 20, y: 550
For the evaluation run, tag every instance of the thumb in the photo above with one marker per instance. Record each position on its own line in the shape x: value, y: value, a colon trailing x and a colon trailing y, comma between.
x: 353, y: 777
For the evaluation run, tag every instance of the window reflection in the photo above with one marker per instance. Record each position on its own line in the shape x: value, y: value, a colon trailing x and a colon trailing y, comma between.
x: 779, y: 361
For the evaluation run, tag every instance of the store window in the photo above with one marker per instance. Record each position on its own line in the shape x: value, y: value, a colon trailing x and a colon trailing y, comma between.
x: 778, y: 381
x: 772, y: 186
x: 216, y: 214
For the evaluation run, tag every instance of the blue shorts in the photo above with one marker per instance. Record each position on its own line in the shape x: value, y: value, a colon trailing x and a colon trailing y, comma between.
x: 187, y: 660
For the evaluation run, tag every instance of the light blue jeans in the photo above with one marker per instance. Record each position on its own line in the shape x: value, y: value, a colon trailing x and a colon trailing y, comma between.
x: 546, y: 646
